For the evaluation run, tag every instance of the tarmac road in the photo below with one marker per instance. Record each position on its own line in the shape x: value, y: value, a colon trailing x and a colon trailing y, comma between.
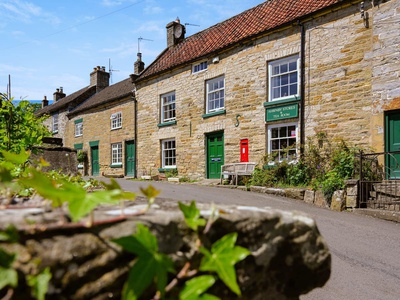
x: 365, y: 250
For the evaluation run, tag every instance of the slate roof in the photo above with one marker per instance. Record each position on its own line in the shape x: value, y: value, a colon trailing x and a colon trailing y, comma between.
x: 74, y: 98
x: 255, y: 21
x: 111, y: 93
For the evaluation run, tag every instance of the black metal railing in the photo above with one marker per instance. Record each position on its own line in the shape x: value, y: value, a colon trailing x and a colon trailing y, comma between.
x: 379, y: 185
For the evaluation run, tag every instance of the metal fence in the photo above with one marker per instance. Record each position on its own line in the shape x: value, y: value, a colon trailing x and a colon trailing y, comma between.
x: 379, y: 184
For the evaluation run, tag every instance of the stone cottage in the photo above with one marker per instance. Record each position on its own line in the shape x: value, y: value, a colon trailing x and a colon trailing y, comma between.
x: 265, y: 80
x: 62, y: 104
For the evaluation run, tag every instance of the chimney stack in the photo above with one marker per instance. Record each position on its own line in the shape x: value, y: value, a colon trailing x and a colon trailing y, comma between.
x: 59, y: 94
x: 139, y: 64
x: 45, y: 102
x: 99, y: 78
x: 175, y: 32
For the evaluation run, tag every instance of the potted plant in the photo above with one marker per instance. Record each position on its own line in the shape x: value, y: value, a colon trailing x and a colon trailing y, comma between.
x: 81, y: 156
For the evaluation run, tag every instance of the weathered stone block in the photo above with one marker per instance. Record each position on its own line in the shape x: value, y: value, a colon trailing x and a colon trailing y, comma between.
x: 320, y: 200
x: 309, y: 196
x: 338, y: 202
x: 288, y: 257
x: 351, y: 201
x: 295, y: 193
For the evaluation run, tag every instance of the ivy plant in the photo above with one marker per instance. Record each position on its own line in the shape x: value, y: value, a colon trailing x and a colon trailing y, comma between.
x: 151, y: 266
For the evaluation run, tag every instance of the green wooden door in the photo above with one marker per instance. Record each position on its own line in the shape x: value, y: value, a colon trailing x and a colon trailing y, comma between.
x: 393, y: 144
x: 94, y: 151
x: 130, y: 158
x: 215, y: 154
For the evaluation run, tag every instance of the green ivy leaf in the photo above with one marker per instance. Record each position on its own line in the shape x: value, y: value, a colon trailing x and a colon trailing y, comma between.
x: 8, y: 277
x: 194, y: 288
x: 149, y: 266
x: 192, y: 215
x: 56, y: 191
x: 17, y: 159
x: 151, y: 193
x: 79, y: 207
x: 222, y: 258
x: 9, y: 235
x: 39, y: 283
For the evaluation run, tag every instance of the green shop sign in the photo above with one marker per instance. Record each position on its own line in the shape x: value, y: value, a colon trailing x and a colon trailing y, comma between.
x: 282, y: 112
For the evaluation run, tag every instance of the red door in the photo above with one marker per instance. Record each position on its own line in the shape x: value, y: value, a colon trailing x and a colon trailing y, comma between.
x: 244, y: 150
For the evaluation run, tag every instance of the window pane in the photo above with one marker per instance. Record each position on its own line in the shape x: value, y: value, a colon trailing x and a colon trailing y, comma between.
x: 293, y: 66
x: 284, y: 79
x: 274, y: 133
x: 284, y: 68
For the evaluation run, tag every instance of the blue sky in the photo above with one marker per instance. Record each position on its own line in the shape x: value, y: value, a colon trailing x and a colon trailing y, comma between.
x: 47, y: 44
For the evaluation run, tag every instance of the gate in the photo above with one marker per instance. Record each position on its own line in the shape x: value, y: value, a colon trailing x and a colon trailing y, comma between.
x: 378, y: 188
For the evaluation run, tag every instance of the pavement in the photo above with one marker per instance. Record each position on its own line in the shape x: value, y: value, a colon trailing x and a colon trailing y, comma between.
x: 387, y: 215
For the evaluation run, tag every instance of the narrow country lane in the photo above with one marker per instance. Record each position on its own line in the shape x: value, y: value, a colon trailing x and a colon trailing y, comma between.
x: 365, y: 251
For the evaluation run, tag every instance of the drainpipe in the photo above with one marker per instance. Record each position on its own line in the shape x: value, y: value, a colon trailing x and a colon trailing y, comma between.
x: 302, y: 87
x: 135, y: 133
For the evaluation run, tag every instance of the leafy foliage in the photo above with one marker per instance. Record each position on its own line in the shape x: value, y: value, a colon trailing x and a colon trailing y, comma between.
x: 39, y: 283
x: 195, y: 288
x: 153, y: 267
x: 192, y: 215
x: 325, y: 165
x: 222, y: 258
x: 149, y: 266
x: 19, y: 127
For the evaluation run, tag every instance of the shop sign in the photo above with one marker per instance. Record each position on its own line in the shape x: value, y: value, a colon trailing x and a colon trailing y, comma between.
x: 282, y: 112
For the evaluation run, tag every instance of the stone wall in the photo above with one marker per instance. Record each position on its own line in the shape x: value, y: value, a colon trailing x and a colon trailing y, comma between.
x: 288, y: 257
x: 341, y: 60
x: 338, y: 77
x: 385, y: 67
x: 97, y: 127
x: 61, y: 159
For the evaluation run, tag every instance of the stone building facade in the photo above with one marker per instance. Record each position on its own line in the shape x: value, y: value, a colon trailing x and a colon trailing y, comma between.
x: 104, y: 127
x: 312, y: 70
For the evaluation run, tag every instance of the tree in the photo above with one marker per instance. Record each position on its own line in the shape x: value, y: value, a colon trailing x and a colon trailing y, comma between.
x: 20, y: 129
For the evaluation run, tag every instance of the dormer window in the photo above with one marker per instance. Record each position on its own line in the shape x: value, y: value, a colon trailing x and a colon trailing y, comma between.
x: 200, y: 67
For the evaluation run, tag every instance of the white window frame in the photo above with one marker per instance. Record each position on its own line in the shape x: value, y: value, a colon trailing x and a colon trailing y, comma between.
x: 281, y: 75
x: 55, y: 122
x: 214, y: 88
x: 79, y: 129
x: 200, y: 67
x: 116, y: 120
x: 281, y: 154
x: 168, y: 154
x: 116, y: 154
x: 168, y: 107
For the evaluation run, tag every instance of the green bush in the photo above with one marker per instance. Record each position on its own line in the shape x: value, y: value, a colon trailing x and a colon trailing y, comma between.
x: 325, y: 165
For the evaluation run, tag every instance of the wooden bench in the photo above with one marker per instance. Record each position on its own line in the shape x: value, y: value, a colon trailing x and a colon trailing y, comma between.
x: 237, y: 169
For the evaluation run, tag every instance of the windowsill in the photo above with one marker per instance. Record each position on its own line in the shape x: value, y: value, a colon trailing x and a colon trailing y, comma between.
x: 278, y: 102
x: 116, y: 166
x: 199, y: 72
x: 55, y: 132
x: 214, y: 113
x: 167, y: 124
x: 79, y: 135
x: 116, y: 128
x: 165, y: 169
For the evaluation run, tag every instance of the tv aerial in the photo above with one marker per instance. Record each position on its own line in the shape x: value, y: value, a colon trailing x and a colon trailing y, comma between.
x: 142, y: 39
x: 110, y: 69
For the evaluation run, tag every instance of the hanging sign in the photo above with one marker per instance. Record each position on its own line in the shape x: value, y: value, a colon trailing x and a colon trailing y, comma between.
x: 282, y: 112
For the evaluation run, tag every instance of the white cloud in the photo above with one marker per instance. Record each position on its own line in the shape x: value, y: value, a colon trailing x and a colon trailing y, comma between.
x: 110, y: 3
x: 24, y: 11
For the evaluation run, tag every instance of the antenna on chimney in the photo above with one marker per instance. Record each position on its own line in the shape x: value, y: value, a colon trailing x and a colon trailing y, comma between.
x: 142, y: 39
x: 110, y: 69
x: 188, y: 24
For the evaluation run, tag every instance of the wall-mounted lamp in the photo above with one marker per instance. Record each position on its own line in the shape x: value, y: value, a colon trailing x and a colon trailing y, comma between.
x: 215, y: 60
